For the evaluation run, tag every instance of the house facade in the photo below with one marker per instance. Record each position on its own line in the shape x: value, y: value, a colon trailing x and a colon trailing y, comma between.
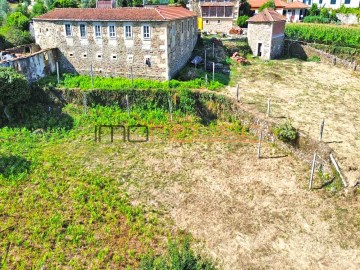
x: 215, y: 16
x: 145, y: 42
x: 266, y: 34
x: 334, y: 4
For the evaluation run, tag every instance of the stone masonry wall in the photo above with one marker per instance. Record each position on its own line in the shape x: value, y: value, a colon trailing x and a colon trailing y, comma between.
x: 182, y: 37
x: 260, y: 33
x: 212, y: 25
x: 108, y: 56
x: 34, y: 66
x: 302, y: 50
x: 277, y: 46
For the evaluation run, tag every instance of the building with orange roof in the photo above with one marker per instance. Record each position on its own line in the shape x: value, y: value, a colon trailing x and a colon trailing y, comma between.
x: 145, y: 42
x: 266, y: 34
x: 293, y: 10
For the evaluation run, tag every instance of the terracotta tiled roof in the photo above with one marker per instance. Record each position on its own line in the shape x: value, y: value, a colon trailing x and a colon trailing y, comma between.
x: 255, y: 4
x: 267, y: 15
x: 117, y: 14
x: 217, y: 4
x: 296, y: 5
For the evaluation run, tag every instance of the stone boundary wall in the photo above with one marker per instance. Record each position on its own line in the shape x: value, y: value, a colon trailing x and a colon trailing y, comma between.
x: 348, y: 18
x: 34, y: 66
x: 303, y: 50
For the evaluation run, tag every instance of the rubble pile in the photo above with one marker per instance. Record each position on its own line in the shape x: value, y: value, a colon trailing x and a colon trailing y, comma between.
x: 239, y: 59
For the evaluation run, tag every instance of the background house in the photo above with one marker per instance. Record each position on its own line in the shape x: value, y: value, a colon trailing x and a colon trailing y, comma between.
x: 215, y: 16
x: 266, y: 34
x: 334, y: 4
x: 294, y: 11
x: 149, y: 42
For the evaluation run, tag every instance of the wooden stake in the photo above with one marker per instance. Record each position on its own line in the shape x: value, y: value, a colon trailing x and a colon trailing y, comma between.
x: 312, y: 171
x: 170, y: 109
x: 92, y: 76
x: 259, y: 145
x: 321, y: 129
x: 127, y: 105
x: 213, y: 71
x: 205, y: 60
x: 332, y: 158
x: 268, y: 108
x: 237, y: 92
x: 57, y: 72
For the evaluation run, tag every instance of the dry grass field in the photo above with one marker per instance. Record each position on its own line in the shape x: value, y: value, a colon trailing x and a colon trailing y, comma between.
x: 308, y: 92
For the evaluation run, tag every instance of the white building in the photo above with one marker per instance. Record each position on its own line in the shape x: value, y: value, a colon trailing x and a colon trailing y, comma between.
x: 334, y: 4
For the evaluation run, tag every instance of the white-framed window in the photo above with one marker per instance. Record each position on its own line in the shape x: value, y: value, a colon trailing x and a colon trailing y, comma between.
x: 146, y: 32
x: 68, y: 30
x: 83, y: 30
x: 128, y: 31
x: 112, y: 32
x: 130, y: 58
x: 97, y: 30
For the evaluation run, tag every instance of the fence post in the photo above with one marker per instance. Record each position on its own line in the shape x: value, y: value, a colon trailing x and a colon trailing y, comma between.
x: 268, y: 108
x: 259, y: 145
x: 170, y: 109
x: 213, y: 71
x: 312, y: 171
x: 332, y: 158
x: 92, y: 75
x: 85, y: 103
x: 57, y: 72
x: 127, y: 105
x: 321, y: 129
x: 237, y: 92
x: 205, y: 60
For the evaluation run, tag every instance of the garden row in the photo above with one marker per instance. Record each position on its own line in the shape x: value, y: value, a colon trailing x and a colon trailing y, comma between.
x: 326, y: 34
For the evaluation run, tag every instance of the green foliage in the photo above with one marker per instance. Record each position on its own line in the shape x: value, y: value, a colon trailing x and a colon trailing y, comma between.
x: 38, y: 8
x: 14, y: 88
x: 18, y: 20
x: 316, y: 19
x: 137, y: 3
x: 65, y: 4
x: 15, y: 37
x: 314, y: 10
x: 178, y: 257
x: 286, y: 132
x: 13, y: 167
x: 267, y: 4
x: 242, y: 20
x: 245, y: 8
x: 327, y: 34
x: 4, y: 6
x: 324, y: 13
x: 87, y: 3
x: 347, y: 10
x: 314, y: 59
x: 117, y: 83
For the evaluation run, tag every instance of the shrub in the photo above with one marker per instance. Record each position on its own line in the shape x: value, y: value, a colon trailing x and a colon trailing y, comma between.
x: 314, y: 10
x: 314, y: 59
x: 316, y: 19
x: 178, y: 257
x: 15, y: 36
x: 38, y: 8
x: 18, y: 20
x: 242, y: 20
x: 268, y: 4
x: 286, y: 132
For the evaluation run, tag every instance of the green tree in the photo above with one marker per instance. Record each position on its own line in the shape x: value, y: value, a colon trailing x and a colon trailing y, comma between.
x: 65, y: 4
x: 314, y: 10
x: 122, y: 3
x: 268, y: 4
x: 245, y: 8
x: 14, y: 89
x: 4, y: 6
x: 15, y: 36
x: 17, y: 20
x: 242, y: 20
x: 38, y: 8
x: 137, y: 3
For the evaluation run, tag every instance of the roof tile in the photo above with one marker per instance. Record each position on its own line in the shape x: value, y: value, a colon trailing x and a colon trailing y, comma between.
x: 267, y: 15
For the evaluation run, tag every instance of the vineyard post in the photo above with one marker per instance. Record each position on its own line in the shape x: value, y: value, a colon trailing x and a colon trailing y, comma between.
x: 259, y: 145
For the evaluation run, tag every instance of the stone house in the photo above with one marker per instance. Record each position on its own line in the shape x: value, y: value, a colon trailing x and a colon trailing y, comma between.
x: 266, y: 34
x: 146, y: 42
x: 216, y: 16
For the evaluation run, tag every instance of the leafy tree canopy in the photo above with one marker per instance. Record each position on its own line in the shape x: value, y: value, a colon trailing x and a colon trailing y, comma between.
x: 14, y: 88
x: 65, y: 4
x: 268, y: 4
x: 17, y: 20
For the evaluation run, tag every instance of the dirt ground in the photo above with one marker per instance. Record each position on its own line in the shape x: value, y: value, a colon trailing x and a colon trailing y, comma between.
x: 308, y: 92
x: 249, y: 213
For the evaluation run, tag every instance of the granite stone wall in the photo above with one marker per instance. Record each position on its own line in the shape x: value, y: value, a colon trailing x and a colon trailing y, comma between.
x: 260, y: 33
x: 116, y: 56
x: 213, y: 25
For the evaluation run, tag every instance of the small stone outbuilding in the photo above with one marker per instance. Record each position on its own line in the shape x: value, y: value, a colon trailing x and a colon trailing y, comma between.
x: 266, y: 34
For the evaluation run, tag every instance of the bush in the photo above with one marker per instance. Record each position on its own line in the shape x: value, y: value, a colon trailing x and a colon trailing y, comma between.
x: 286, y: 132
x: 18, y: 20
x: 316, y: 19
x: 242, y: 20
x: 268, y: 4
x: 326, y: 34
x: 314, y: 10
x: 15, y: 37
x: 38, y: 8
x: 178, y: 257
